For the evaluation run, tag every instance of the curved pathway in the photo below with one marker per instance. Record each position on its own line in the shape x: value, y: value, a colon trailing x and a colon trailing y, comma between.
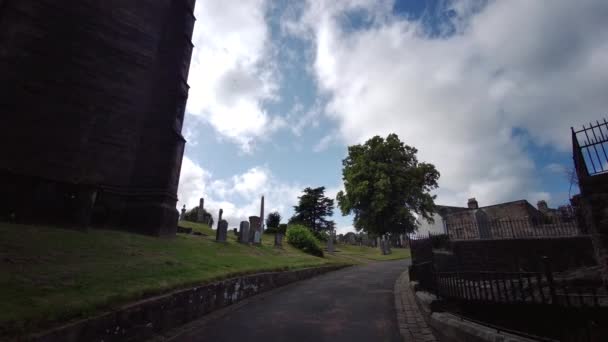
x: 352, y: 304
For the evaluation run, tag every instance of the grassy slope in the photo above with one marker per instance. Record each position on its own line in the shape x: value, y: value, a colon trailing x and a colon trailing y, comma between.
x: 50, y: 274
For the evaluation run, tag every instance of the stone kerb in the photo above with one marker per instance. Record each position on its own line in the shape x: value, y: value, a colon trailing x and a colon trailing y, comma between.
x: 149, y: 318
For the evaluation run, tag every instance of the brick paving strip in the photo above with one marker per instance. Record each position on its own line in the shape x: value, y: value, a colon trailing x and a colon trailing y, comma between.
x: 412, y: 326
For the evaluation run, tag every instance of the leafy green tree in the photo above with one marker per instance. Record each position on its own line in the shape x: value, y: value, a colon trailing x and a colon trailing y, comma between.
x: 273, y: 219
x: 312, y: 209
x: 272, y: 222
x: 384, y: 185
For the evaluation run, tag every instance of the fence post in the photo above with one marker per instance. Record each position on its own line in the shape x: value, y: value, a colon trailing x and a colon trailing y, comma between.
x: 549, y: 276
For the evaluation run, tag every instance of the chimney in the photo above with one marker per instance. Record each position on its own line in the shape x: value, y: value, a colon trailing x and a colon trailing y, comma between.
x: 542, y: 206
x: 472, y: 204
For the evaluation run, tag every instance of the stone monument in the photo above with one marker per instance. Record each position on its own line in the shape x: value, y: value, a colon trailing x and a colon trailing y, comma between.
x: 257, y: 238
x: 200, y: 217
x: 244, y: 232
x: 254, y: 226
x: 183, y: 214
x: 262, y: 215
x: 219, y: 221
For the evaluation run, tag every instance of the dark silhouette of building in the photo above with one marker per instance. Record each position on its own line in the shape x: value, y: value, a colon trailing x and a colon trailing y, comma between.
x: 92, y: 99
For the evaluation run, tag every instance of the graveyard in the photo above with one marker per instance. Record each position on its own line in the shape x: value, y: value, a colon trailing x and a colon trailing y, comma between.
x: 51, y: 275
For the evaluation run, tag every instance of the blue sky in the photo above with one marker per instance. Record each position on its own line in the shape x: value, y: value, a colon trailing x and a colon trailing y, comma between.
x: 486, y: 90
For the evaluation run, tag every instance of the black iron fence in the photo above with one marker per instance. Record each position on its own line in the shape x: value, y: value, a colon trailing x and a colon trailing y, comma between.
x: 590, y: 148
x: 513, y: 228
x: 508, y: 287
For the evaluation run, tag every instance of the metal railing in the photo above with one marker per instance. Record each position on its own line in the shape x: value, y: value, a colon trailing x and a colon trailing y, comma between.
x: 590, y: 149
x: 512, y: 229
x: 507, y: 287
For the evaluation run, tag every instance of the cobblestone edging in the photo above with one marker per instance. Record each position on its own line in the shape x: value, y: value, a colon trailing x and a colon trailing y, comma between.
x: 412, y: 325
x: 142, y: 320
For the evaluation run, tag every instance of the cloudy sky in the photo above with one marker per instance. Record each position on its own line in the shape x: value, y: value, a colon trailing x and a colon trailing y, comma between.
x: 486, y: 90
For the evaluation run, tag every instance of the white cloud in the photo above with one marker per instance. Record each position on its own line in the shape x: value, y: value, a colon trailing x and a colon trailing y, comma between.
x: 515, y: 65
x: 239, y: 195
x: 324, y: 143
x: 232, y: 72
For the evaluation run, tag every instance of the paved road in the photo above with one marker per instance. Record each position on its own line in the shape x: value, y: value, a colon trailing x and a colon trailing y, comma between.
x: 353, y: 304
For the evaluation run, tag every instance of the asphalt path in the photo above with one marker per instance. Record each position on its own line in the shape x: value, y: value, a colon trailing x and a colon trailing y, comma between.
x: 352, y: 304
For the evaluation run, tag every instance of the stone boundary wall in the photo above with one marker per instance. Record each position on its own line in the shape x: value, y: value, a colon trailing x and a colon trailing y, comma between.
x: 144, y: 319
x: 504, y: 255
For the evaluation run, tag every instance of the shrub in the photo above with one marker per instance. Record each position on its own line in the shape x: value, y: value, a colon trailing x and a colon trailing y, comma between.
x: 302, y: 238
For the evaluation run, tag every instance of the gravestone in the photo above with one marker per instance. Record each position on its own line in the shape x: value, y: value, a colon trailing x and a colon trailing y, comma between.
x: 219, y: 221
x: 244, y: 232
x: 278, y: 240
x: 183, y: 214
x: 235, y: 231
x: 254, y: 226
x: 200, y: 217
x: 222, y: 231
x: 379, y: 244
x: 257, y: 238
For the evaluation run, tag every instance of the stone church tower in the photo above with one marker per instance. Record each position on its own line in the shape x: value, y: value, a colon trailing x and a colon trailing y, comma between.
x: 92, y: 100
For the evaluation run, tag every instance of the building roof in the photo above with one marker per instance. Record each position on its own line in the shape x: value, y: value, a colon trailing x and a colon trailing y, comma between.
x: 507, y: 210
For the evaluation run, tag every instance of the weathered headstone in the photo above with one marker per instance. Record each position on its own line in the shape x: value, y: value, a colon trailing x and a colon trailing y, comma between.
x: 388, y: 245
x: 244, y: 232
x: 222, y: 231
x: 182, y: 216
x: 219, y: 222
x: 200, y: 217
x: 257, y: 237
x: 254, y: 226
x: 278, y: 240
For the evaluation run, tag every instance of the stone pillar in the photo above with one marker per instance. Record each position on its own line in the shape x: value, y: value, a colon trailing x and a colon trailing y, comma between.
x: 219, y: 221
x: 244, y: 232
x: 388, y: 245
x: 201, y: 211
x: 262, y: 215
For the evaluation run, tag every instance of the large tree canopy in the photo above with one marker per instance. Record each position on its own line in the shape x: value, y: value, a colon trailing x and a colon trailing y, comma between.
x: 384, y: 185
x: 312, y: 209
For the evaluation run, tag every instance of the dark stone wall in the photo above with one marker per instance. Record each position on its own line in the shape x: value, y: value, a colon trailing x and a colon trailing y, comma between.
x: 146, y: 319
x: 93, y: 99
x: 517, y: 254
x: 592, y: 207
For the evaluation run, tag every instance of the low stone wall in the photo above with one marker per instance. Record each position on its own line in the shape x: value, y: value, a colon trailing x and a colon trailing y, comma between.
x: 507, y: 254
x: 142, y: 320
x: 451, y: 328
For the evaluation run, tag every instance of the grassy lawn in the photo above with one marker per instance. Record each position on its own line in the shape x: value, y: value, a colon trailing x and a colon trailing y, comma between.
x: 370, y: 254
x: 49, y: 274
